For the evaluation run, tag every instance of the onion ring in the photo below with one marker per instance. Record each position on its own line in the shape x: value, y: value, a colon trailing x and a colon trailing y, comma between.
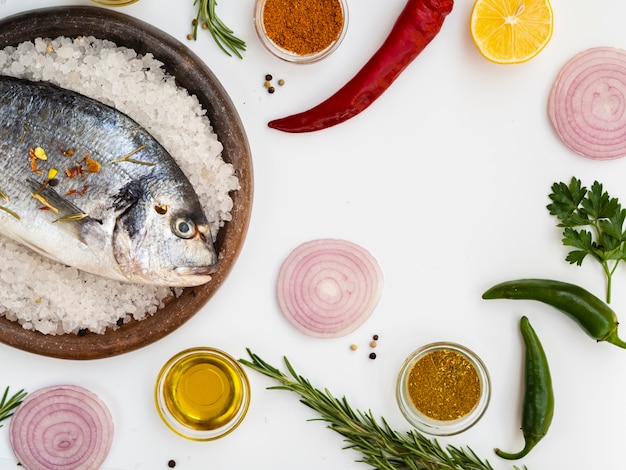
x: 587, y: 103
x: 63, y: 427
x: 327, y: 288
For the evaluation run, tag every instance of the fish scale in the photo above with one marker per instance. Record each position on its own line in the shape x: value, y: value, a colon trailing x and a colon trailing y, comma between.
x: 119, y: 207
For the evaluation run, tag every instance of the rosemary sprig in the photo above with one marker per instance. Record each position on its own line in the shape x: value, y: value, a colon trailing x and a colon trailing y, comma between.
x: 8, y: 405
x: 381, y: 447
x: 222, y: 34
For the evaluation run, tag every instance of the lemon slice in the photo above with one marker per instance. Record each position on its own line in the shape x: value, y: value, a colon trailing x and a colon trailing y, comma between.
x: 511, y: 31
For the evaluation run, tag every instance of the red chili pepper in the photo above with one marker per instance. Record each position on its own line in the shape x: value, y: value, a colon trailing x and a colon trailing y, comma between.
x: 418, y: 24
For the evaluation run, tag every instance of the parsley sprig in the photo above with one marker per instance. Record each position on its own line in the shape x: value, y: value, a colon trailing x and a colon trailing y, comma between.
x: 224, y: 36
x: 577, y: 207
x: 9, y: 404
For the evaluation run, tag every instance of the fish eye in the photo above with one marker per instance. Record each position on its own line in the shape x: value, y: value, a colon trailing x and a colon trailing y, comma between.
x: 183, y: 227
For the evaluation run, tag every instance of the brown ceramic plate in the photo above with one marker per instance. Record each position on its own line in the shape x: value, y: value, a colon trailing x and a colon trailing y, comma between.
x: 192, y: 74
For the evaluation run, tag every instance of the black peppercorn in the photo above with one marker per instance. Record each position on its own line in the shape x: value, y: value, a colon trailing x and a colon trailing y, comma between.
x: 268, y: 77
x: 372, y: 355
x: 171, y: 463
x: 271, y: 89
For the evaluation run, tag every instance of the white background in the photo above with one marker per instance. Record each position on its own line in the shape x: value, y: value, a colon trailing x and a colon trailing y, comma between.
x: 444, y: 180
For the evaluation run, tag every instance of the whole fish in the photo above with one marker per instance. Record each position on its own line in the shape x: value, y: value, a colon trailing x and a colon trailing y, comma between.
x: 85, y: 185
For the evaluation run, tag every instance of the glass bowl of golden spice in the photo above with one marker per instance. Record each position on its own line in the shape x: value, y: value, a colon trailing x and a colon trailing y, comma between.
x: 443, y: 388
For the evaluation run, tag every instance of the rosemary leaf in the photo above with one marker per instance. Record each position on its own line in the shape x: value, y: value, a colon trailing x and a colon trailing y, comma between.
x: 380, y: 446
x: 8, y: 405
x: 222, y: 35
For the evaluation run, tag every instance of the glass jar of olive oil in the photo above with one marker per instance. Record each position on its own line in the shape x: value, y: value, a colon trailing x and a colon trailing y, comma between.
x: 202, y: 393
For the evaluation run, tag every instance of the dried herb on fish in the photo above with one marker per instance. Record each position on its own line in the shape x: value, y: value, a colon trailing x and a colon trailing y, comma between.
x: 9, y: 404
x: 26, y: 129
x: 43, y: 200
x: 71, y: 217
x: 9, y: 211
x: 380, y: 446
x: 224, y: 37
x: 127, y: 158
x: 3, y: 196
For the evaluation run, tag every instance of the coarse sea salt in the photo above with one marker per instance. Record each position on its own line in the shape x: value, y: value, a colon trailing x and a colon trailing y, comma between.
x: 54, y: 299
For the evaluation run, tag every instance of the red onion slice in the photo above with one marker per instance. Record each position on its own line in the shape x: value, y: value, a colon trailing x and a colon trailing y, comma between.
x: 587, y: 103
x: 63, y: 427
x: 327, y: 288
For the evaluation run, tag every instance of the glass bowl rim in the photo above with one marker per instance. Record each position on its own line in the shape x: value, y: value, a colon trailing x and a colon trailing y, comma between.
x: 439, y: 427
x: 185, y: 431
x: 292, y: 57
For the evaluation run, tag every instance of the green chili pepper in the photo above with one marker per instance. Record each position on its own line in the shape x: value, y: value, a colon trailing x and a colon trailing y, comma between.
x: 538, y: 401
x: 591, y: 313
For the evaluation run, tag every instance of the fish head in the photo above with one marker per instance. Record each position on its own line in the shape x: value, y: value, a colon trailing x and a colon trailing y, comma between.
x: 163, y: 238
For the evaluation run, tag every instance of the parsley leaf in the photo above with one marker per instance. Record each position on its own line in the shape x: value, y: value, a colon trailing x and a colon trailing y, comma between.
x: 593, y: 224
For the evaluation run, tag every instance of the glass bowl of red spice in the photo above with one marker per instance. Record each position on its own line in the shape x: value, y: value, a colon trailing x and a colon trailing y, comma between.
x: 443, y: 388
x: 301, y: 31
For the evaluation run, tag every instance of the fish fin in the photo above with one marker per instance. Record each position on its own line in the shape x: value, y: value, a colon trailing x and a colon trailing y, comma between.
x: 52, y: 197
x: 128, y: 196
x: 131, y: 216
x: 71, y: 217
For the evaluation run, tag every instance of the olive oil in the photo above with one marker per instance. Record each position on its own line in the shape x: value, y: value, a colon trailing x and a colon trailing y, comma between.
x: 202, y: 393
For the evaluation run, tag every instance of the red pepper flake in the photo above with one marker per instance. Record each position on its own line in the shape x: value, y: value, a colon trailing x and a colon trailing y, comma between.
x: 32, y: 158
x: 76, y: 192
x: 92, y: 165
x: 75, y: 172
x: 66, y: 152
